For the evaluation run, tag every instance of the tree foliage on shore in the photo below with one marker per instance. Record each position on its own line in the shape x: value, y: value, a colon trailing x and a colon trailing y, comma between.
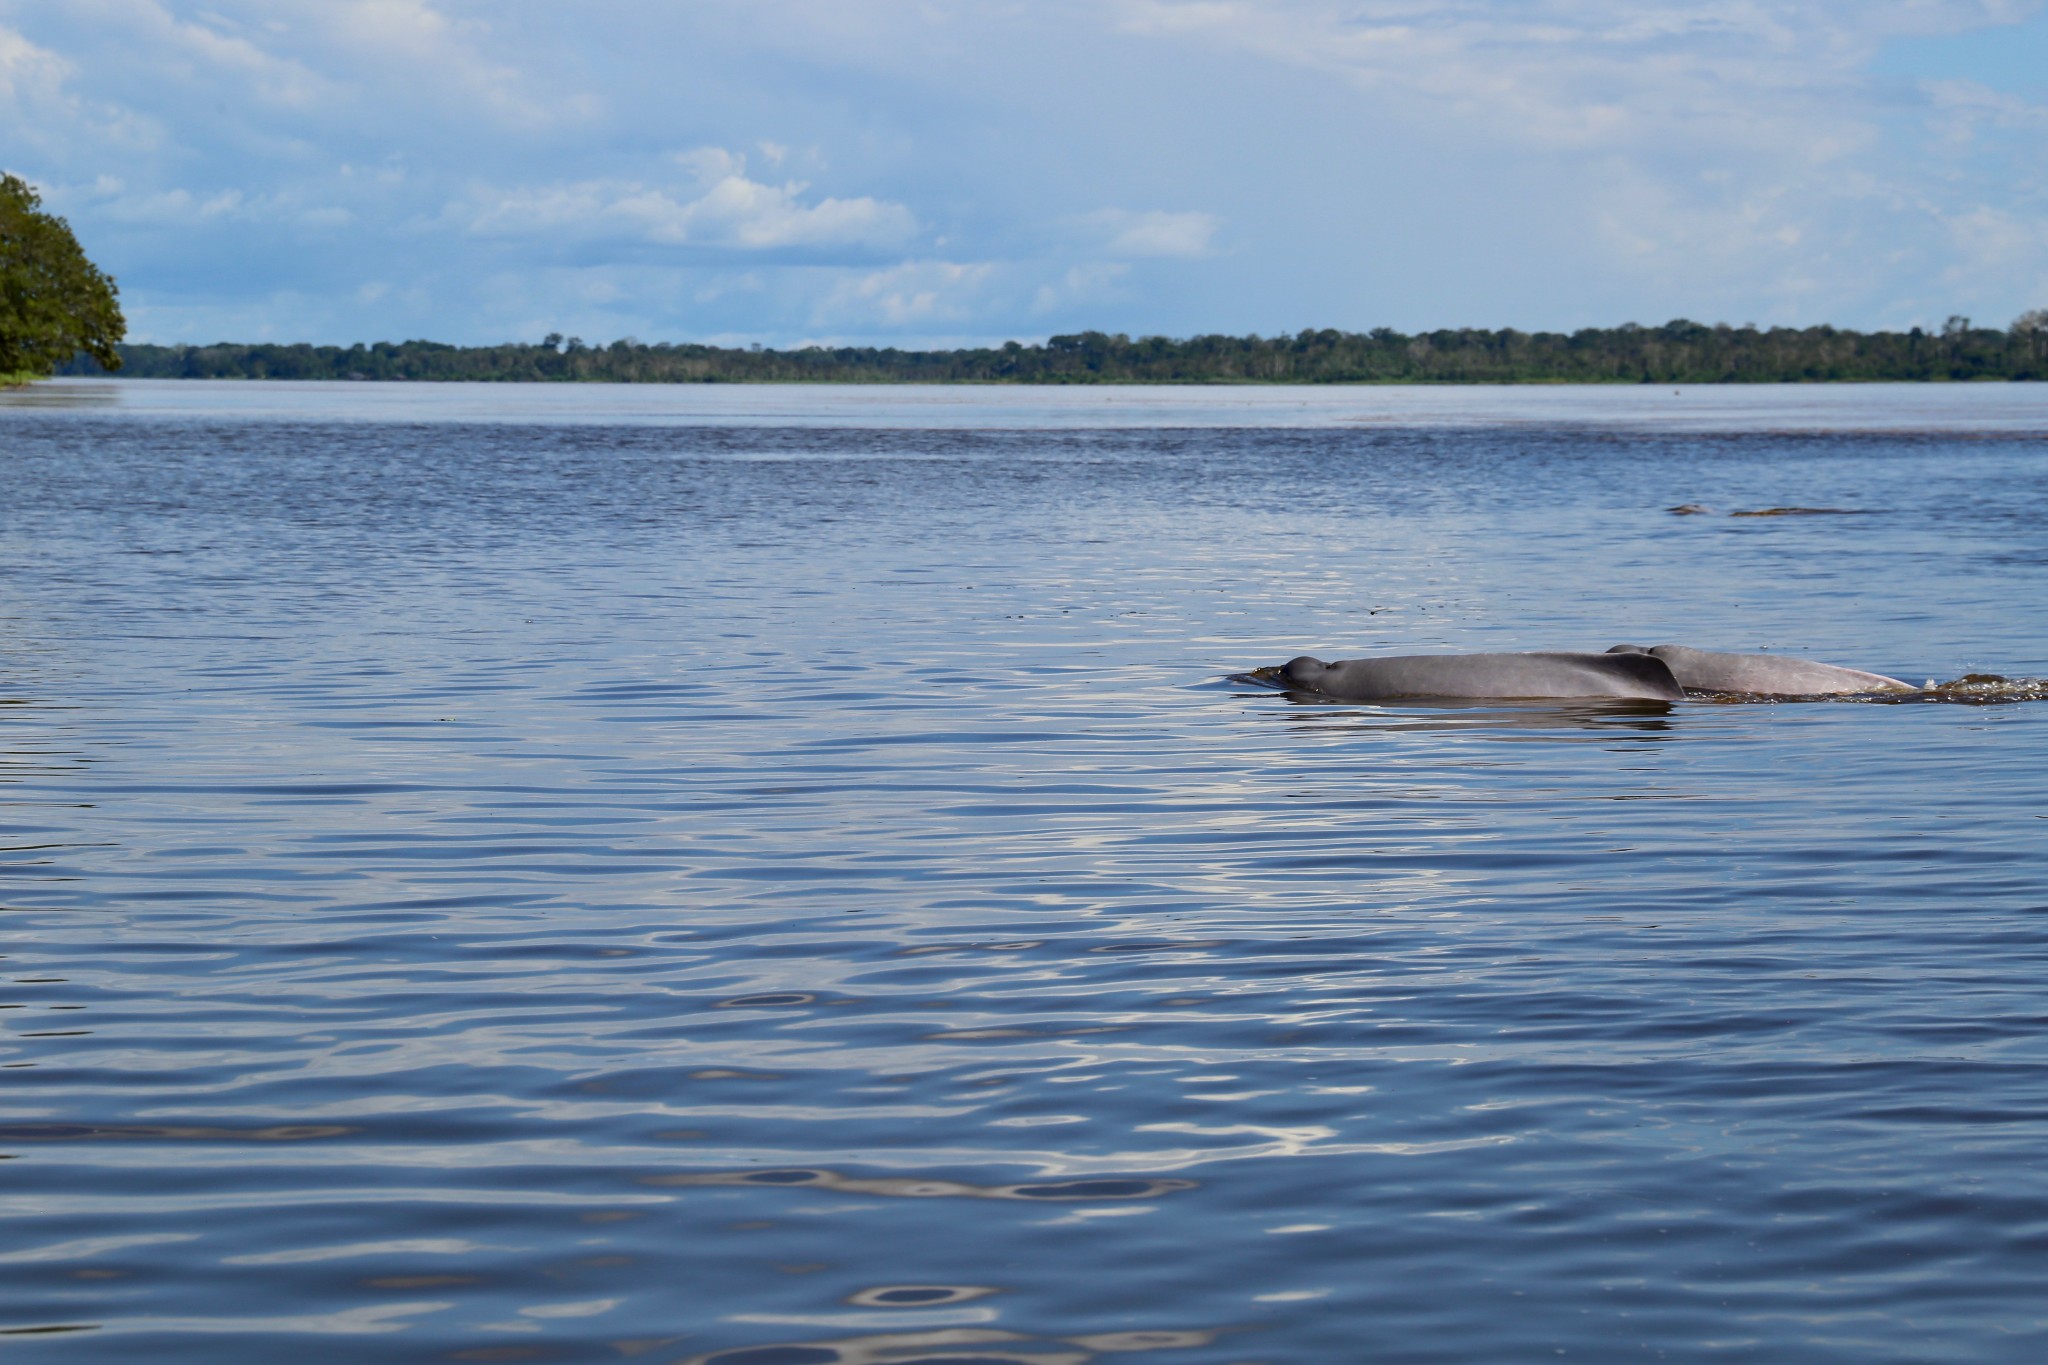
x: 1678, y: 352
x: 54, y: 303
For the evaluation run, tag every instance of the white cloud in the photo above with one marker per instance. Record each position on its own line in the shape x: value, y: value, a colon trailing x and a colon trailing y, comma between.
x: 727, y: 209
x: 1964, y: 112
x: 910, y: 293
x: 209, y: 50
x: 328, y: 58
x: 44, y: 114
x: 1713, y: 149
x: 111, y: 200
x: 429, y: 53
x: 2000, y: 257
x: 28, y: 72
x: 1563, y: 73
x: 1184, y: 235
x: 1078, y: 284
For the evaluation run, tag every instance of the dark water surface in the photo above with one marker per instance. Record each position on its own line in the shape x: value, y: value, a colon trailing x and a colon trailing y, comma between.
x: 485, y: 881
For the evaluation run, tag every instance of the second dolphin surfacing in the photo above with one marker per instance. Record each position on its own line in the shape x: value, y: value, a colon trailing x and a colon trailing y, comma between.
x: 1624, y: 674
x: 1707, y: 670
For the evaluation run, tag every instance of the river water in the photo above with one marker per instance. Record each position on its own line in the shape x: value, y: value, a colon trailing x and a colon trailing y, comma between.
x: 783, y: 877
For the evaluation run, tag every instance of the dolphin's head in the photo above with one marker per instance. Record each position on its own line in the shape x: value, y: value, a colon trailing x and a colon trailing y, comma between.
x: 1627, y: 649
x: 1305, y: 671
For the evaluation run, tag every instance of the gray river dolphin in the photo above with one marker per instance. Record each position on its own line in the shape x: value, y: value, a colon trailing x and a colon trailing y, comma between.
x: 1707, y: 670
x: 1627, y: 674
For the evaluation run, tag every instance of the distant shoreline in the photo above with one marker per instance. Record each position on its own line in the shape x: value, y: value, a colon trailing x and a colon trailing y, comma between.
x: 1040, y: 383
x: 1678, y: 352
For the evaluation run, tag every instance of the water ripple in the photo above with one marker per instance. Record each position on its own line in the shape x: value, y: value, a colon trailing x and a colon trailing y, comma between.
x: 812, y: 897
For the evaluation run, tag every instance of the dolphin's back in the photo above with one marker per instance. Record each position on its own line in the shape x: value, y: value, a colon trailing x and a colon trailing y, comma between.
x: 1707, y: 670
x: 1473, y: 676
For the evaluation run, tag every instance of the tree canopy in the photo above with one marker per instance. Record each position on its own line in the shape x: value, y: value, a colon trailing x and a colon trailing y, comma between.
x: 1676, y: 352
x: 54, y: 302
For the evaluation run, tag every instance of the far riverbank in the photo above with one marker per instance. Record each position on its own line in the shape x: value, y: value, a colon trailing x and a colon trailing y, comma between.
x: 1679, y: 352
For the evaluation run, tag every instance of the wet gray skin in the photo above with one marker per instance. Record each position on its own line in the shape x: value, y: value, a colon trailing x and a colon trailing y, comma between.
x: 1706, y: 670
x: 1637, y: 676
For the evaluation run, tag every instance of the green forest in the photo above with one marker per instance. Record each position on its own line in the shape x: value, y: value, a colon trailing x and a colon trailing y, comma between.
x: 1678, y: 352
x: 56, y: 307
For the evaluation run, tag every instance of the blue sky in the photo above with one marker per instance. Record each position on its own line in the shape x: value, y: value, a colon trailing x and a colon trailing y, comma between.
x: 944, y: 171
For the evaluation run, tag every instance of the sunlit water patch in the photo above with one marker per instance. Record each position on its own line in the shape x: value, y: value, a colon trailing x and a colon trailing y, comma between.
x: 798, y: 894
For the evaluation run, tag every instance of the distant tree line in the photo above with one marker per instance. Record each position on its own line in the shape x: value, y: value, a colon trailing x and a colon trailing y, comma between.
x: 1678, y: 352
